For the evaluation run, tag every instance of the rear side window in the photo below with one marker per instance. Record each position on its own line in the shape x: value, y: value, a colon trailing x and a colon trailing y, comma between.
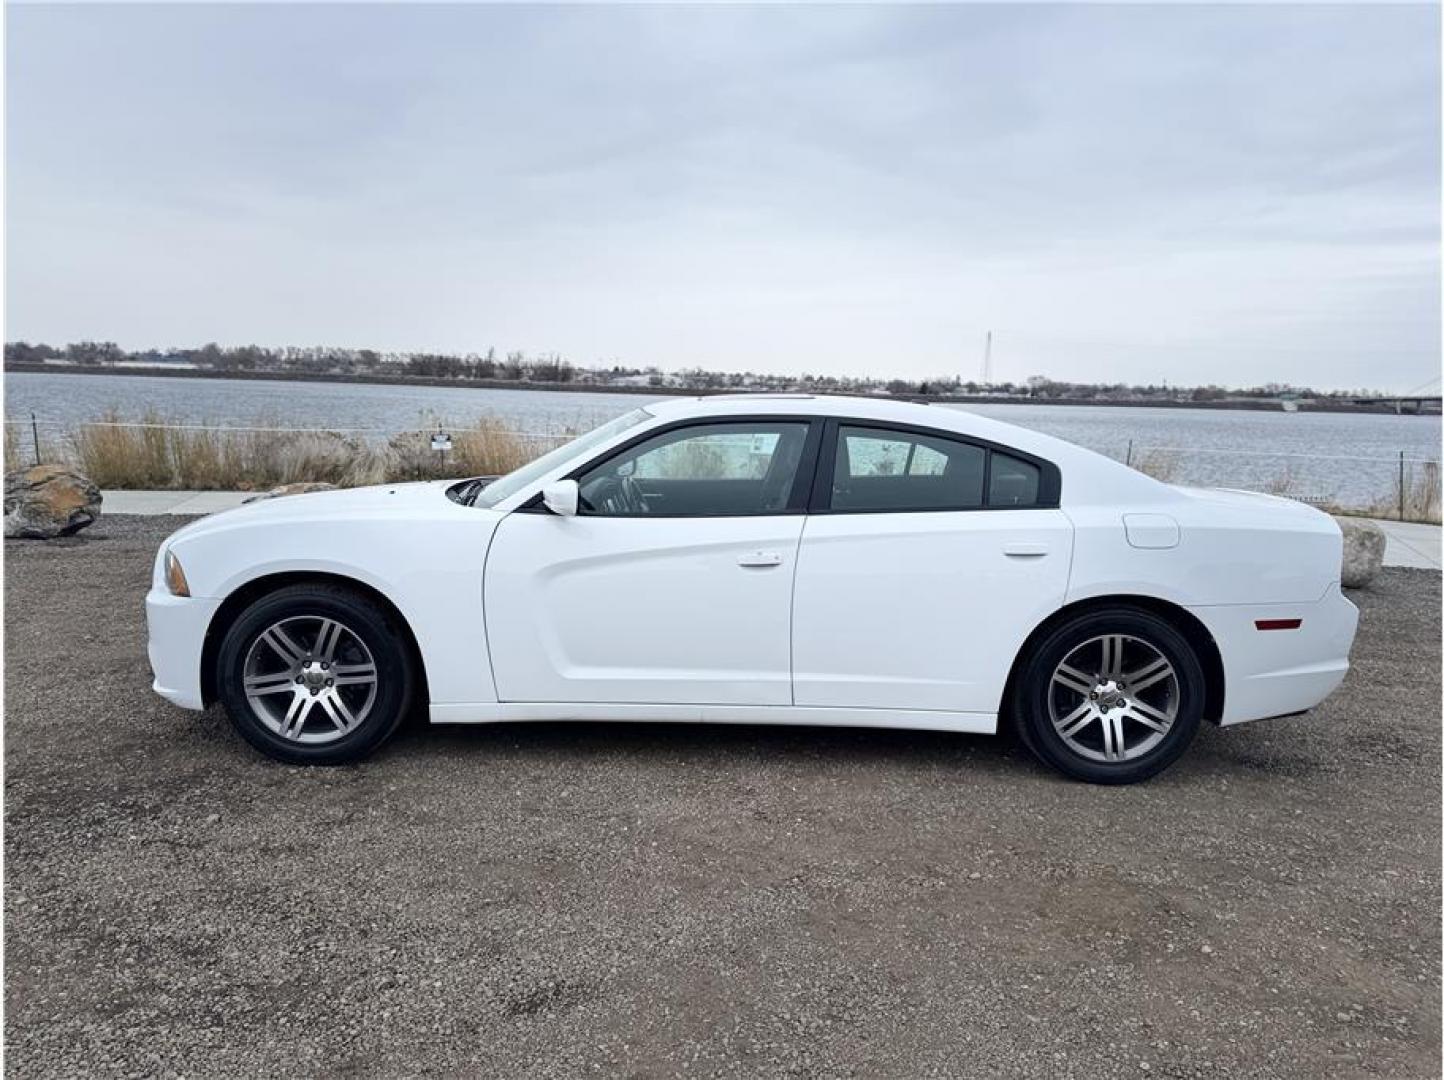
x: 884, y: 470
x: 879, y: 470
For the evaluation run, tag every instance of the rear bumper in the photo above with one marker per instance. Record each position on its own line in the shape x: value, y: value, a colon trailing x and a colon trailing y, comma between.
x: 1270, y: 673
x: 177, y: 626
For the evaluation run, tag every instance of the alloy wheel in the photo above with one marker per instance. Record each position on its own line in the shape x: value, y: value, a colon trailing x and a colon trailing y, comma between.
x: 1113, y: 698
x: 310, y: 679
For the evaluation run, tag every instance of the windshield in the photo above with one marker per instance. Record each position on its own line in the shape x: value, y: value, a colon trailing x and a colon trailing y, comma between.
x: 514, y: 481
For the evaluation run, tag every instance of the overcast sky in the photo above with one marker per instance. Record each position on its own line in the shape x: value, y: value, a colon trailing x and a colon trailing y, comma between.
x: 1198, y: 194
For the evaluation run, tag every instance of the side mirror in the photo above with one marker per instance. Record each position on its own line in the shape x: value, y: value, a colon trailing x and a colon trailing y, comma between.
x: 561, y: 498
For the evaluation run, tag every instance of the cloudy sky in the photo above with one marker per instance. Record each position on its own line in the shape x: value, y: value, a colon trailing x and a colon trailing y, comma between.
x: 1222, y: 194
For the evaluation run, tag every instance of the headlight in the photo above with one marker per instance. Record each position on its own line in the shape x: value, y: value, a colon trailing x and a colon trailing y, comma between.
x: 175, y: 577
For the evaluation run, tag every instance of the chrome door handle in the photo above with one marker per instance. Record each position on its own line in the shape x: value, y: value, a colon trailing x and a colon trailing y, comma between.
x: 1025, y: 551
x: 760, y: 558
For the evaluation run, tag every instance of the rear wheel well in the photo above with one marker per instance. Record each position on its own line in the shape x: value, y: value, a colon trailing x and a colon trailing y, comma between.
x: 1181, y: 619
x: 233, y: 605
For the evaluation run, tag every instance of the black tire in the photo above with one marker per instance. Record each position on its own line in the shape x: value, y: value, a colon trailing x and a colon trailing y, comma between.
x: 363, y: 622
x: 1034, y: 701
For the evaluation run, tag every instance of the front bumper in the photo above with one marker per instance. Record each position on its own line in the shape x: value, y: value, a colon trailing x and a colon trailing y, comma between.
x: 1269, y: 673
x: 177, y: 626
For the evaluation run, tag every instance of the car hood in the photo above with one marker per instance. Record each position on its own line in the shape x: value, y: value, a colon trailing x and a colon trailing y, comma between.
x: 409, y: 501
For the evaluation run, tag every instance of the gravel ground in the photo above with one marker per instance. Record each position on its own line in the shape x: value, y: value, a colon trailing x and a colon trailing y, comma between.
x: 559, y: 900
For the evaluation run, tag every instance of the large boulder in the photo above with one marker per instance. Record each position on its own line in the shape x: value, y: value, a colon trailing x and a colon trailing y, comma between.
x: 45, y: 501
x: 292, y: 489
x: 1363, y: 550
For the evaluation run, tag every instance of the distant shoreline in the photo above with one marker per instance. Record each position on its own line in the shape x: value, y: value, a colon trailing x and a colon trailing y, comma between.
x: 22, y: 368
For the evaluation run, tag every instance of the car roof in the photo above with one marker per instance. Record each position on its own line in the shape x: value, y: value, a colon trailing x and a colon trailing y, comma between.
x: 888, y: 410
x: 903, y: 412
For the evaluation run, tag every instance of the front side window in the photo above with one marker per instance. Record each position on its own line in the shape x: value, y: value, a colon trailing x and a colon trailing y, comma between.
x: 702, y: 470
x: 520, y: 478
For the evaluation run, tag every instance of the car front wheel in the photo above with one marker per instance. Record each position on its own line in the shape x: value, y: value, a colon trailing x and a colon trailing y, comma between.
x: 1111, y: 696
x: 314, y: 675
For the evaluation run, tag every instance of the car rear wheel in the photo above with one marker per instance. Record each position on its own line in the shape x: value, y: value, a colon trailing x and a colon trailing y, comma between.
x: 314, y: 675
x: 1111, y: 696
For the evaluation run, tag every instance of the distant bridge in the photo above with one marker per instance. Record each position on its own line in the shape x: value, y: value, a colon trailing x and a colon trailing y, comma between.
x: 1423, y: 398
x: 1404, y: 403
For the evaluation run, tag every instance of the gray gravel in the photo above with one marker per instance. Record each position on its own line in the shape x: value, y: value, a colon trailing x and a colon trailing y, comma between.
x: 559, y: 900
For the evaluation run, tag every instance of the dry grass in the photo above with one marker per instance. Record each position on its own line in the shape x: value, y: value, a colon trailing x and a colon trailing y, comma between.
x: 1159, y: 464
x: 484, y: 449
x: 13, y: 458
x: 1285, y: 484
x: 1420, y: 497
x: 154, y: 454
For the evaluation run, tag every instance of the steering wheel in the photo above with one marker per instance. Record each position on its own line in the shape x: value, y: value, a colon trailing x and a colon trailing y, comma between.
x: 630, y: 496
x: 617, y: 495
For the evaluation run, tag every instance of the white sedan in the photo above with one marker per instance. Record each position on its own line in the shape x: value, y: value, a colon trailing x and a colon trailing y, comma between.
x: 764, y: 559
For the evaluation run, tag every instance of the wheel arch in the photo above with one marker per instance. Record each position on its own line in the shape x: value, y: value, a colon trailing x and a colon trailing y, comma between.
x: 1180, y: 618
x: 248, y: 593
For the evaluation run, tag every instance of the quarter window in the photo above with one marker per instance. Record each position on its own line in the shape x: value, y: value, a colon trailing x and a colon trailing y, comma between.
x: 704, y: 470
x: 1012, y: 481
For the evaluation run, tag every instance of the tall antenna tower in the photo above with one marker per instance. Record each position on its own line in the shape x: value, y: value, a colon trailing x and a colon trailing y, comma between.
x: 988, y: 359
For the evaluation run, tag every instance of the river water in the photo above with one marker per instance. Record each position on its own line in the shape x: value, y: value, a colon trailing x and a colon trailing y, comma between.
x: 1348, y: 458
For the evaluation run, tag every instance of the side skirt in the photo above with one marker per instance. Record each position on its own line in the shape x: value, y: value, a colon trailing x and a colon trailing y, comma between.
x: 806, y: 716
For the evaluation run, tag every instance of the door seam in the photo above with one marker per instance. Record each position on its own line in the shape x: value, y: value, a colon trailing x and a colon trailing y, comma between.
x: 485, y: 625
x: 792, y: 614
